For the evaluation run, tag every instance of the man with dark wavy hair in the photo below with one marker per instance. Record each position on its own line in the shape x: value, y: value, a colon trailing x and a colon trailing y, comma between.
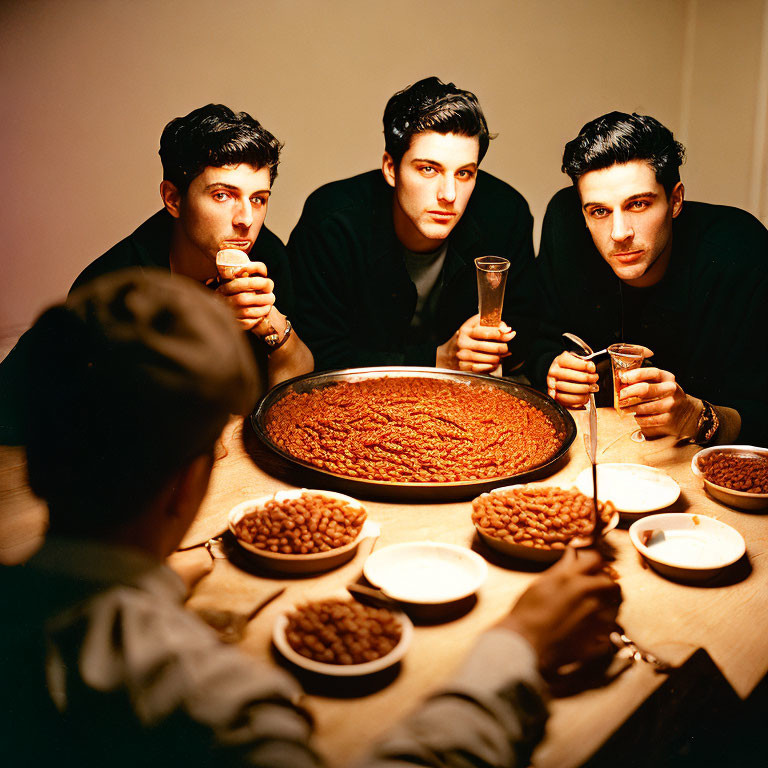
x: 622, y: 259
x: 384, y: 261
x: 218, y: 171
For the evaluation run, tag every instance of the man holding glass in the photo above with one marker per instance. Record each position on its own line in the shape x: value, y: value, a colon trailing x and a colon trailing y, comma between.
x: 218, y: 171
x: 688, y: 282
x: 383, y: 262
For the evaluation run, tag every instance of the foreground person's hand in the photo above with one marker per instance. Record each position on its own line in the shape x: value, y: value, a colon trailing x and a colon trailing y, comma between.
x: 569, y: 612
x: 250, y: 296
x: 666, y: 409
x: 475, y: 348
x: 570, y: 380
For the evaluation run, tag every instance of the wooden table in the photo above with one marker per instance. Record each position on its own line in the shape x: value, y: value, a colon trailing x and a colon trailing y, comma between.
x: 718, y: 634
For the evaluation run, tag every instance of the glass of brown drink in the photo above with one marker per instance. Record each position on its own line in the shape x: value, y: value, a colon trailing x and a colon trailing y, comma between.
x: 624, y: 357
x: 491, y: 282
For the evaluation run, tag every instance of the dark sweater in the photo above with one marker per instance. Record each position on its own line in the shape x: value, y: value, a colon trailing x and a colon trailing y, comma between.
x: 705, y: 320
x: 147, y: 246
x: 354, y: 297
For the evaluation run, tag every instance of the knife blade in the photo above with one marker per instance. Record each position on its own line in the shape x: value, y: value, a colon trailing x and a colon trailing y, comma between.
x: 590, y: 439
x: 590, y: 442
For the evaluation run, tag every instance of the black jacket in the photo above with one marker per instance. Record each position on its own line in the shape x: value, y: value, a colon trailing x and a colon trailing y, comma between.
x: 354, y: 297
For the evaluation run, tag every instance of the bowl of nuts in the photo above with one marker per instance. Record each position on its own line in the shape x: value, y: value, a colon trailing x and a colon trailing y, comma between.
x: 301, y: 530
x: 342, y: 637
x: 537, y: 522
x: 737, y: 475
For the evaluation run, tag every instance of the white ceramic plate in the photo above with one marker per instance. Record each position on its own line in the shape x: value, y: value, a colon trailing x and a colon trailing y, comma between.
x: 342, y: 670
x: 426, y: 572
x: 634, y: 489
x: 740, y: 499
x: 313, y: 563
x: 536, y: 554
x: 686, y: 546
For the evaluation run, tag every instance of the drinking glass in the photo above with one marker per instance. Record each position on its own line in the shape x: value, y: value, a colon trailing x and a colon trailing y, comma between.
x: 491, y: 282
x: 230, y: 262
x: 625, y: 357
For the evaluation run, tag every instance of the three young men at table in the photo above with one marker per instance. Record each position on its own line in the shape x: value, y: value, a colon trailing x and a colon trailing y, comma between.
x: 218, y: 170
x: 384, y: 262
x: 623, y: 258
x: 103, y: 664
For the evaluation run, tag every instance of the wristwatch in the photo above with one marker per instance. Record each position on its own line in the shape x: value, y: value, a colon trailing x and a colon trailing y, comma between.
x: 273, y: 340
x: 707, y: 425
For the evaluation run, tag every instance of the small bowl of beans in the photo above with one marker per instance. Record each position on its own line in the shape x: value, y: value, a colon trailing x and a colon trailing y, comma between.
x: 341, y: 637
x: 536, y: 522
x: 301, y: 531
x: 737, y: 475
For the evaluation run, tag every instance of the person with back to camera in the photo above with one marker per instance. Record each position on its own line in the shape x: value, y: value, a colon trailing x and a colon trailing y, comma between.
x: 218, y: 170
x: 624, y: 259
x: 104, y: 666
x: 384, y: 261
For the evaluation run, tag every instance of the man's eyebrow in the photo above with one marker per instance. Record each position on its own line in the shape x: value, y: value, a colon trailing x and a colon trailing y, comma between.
x: 440, y: 165
x: 224, y: 185
x: 638, y: 196
x: 427, y: 160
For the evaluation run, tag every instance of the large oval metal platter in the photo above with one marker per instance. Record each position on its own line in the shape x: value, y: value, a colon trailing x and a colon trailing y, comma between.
x: 414, y: 491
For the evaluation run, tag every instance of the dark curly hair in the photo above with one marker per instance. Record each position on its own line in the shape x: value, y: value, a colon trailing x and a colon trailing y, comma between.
x: 431, y: 105
x: 215, y: 135
x: 620, y: 138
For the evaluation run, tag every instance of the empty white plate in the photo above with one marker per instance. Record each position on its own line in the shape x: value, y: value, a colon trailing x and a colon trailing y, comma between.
x: 634, y: 489
x: 686, y: 546
x: 426, y: 572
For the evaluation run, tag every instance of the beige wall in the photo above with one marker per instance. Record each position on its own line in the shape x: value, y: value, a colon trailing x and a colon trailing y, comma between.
x: 87, y: 86
x: 725, y: 103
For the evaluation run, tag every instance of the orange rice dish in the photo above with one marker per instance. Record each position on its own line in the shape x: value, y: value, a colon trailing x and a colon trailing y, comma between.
x: 413, y: 430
